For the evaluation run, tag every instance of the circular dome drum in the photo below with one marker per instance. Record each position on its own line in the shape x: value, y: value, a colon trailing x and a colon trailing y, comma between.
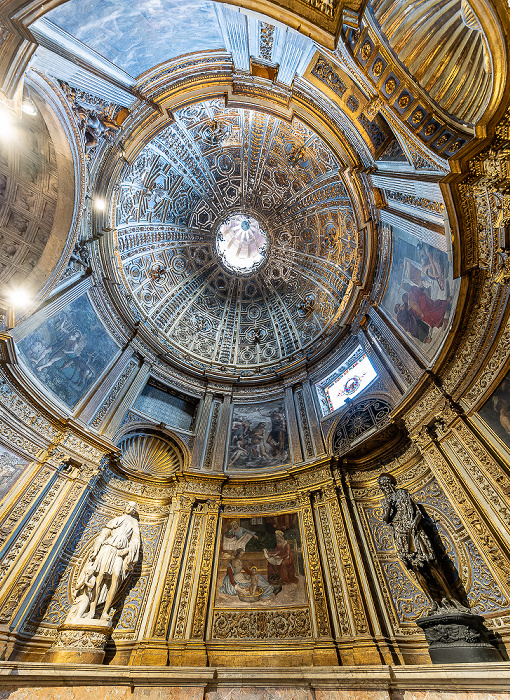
x: 224, y: 241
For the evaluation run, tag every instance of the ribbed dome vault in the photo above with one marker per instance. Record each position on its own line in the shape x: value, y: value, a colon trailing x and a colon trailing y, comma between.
x: 212, y: 164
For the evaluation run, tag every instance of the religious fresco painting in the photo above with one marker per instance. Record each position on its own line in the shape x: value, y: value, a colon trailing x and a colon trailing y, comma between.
x: 496, y: 411
x: 260, y: 563
x: 11, y: 468
x: 69, y: 351
x: 421, y: 292
x: 105, y: 25
x: 258, y: 436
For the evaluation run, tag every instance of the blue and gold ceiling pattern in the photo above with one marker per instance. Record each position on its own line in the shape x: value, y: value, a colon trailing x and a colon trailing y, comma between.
x: 210, y: 162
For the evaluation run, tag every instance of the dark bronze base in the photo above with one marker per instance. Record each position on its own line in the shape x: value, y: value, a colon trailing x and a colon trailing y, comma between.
x: 457, y: 638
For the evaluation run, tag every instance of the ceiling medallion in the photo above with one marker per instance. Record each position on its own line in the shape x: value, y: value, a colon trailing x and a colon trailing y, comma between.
x: 241, y: 244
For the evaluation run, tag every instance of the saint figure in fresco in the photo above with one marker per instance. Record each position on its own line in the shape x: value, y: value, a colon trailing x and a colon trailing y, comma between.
x: 412, y: 323
x: 418, y: 313
x: 280, y: 561
x: 432, y: 311
x: 237, y: 537
x: 240, y: 579
x: 257, y: 438
x: 70, y: 343
x: 277, y: 437
x: 431, y: 264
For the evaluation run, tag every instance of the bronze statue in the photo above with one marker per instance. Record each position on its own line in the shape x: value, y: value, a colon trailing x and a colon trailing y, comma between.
x: 415, y: 548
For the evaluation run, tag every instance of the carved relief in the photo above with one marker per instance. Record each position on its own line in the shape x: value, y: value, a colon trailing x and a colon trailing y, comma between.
x: 262, y: 624
x: 169, y: 586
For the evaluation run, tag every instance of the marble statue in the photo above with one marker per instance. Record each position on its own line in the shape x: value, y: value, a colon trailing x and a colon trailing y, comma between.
x: 415, y: 548
x: 115, y: 552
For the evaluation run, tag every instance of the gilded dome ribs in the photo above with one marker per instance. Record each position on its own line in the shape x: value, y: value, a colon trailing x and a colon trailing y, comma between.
x: 178, y: 295
x: 444, y: 49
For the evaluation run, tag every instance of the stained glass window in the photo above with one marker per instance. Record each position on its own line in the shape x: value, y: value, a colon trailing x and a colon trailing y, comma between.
x: 346, y: 382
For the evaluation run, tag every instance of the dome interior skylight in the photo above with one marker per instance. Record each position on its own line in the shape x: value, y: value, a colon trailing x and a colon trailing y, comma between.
x: 241, y: 244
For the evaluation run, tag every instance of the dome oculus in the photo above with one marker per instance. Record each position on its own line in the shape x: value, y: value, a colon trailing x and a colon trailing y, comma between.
x: 241, y: 244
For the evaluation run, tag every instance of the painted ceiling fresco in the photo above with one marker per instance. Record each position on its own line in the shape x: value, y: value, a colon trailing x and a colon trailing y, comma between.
x: 157, y: 29
x: 210, y: 163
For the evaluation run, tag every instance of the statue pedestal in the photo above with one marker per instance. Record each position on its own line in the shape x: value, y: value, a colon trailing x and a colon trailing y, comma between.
x: 80, y: 641
x: 457, y: 638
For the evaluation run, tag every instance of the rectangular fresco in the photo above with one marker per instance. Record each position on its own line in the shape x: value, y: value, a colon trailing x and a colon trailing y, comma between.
x: 258, y: 436
x: 421, y: 291
x: 11, y: 468
x: 496, y: 411
x: 260, y: 563
x: 69, y: 351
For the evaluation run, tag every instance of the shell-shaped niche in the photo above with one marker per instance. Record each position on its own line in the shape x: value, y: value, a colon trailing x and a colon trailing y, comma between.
x: 442, y: 45
x: 144, y: 454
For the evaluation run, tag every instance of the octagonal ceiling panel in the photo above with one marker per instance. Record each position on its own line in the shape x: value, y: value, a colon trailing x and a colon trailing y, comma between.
x: 214, y: 163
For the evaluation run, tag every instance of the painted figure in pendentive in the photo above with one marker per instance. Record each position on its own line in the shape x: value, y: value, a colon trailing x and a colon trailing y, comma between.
x: 280, y: 561
x: 70, y: 343
x: 257, y: 437
x: 115, y: 552
x: 414, y: 546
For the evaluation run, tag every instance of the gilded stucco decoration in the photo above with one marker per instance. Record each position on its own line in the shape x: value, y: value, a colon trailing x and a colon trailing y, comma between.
x: 149, y: 455
x: 461, y: 88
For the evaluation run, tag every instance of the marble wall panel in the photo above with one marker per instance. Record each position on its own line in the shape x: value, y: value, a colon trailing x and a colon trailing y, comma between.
x: 259, y: 694
x: 102, y: 693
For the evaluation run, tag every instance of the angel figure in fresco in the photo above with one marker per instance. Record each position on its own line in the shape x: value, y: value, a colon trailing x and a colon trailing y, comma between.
x: 115, y: 552
x: 280, y: 561
x: 240, y: 579
x: 414, y: 546
x: 237, y: 537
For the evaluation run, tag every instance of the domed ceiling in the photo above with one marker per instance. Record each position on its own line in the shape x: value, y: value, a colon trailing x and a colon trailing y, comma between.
x: 238, y: 243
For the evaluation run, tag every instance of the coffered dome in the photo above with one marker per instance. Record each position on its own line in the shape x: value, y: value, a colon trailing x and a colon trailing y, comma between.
x: 238, y: 242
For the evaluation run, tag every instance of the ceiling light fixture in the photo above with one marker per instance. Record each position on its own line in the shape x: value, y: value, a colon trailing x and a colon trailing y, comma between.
x: 99, y: 203
x: 28, y: 106
x: 19, y: 297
